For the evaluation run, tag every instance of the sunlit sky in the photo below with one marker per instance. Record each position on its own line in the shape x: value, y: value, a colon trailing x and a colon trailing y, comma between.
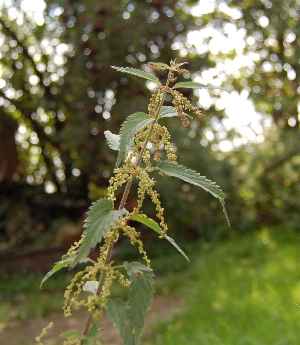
x: 239, y: 109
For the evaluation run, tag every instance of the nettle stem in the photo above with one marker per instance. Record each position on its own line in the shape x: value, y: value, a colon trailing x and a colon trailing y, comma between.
x: 123, y: 201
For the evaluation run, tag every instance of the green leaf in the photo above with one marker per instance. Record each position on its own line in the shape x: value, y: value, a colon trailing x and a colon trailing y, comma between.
x: 225, y: 212
x: 113, y: 140
x: 139, y: 299
x: 159, y: 65
x: 168, y: 111
x: 134, y: 267
x: 56, y: 268
x: 138, y: 73
x: 188, y: 85
x: 100, y: 219
x: 149, y: 222
x: 118, y: 312
x: 92, y: 337
x: 176, y: 246
x: 134, y: 123
x: 193, y: 177
x: 71, y: 334
x: 128, y: 315
x: 195, y: 85
x: 153, y: 225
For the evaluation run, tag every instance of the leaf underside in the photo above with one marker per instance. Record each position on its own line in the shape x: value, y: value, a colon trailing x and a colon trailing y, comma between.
x: 134, y: 123
x: 168, y: 111
x: 113, y: 140
x: 138, y: 73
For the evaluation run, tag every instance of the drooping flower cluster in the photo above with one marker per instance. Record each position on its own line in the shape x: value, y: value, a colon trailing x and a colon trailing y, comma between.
x: 149, y: 145
x: 159, y: 143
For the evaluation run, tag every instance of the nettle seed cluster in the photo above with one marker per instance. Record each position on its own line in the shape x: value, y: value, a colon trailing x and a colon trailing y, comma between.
x: 150, y: 144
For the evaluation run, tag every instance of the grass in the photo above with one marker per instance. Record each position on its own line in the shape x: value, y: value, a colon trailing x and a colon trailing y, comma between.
x: 245, y: 291
x: 21, y: 297
x: 241, y: 291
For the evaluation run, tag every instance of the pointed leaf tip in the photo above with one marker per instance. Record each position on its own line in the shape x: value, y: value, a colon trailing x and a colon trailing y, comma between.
x: 195, y: 85
x: 176, y: 246
x: 137, y: 72
x: 190, y: 176
x: 153, y: 225
x: 58, y: 266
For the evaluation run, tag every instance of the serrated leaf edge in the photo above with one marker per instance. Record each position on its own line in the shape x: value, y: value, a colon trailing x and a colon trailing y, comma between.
x: 137, y: 72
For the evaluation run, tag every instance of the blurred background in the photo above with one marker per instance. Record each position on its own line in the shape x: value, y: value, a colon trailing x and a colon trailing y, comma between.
x: 58, y: 95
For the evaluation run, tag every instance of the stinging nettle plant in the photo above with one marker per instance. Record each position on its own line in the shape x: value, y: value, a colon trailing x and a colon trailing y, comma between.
x: 144, y: 149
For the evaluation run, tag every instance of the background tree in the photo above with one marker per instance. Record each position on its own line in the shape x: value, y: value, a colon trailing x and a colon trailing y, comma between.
x: 57, y: 85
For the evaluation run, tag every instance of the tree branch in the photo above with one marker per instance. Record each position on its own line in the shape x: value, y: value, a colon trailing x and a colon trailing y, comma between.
x: 21, y: 44
x: 28, y: 56
x: 281, y: 161
x: 44, y: 139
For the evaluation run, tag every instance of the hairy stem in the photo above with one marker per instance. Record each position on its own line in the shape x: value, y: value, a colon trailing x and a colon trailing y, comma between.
x: 122, y: 204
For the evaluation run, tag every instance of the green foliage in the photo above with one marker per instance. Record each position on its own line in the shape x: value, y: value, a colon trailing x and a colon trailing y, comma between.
x: 105, y: 223
x: 188, y: 85
x: 71, y: 334
x: 138, y: 73
x: 177, y: 247
x: 128, y: 315
x: 213, y: 296
x: 243, y: 290
x: 168, y: 111
x: 272, y: 89
x: 100, y: 218
x: 134, y: 123
x: 58, y: 266
x: 153, y: 225
x: 159, y: 65
x: 61, y: 145
x: 194, y: 85
x: 92, y: 337
x: 149, y: 222
x: 36, y: 303
x: 67, y: 127
x: 63, y: 126
x: 193, y: 177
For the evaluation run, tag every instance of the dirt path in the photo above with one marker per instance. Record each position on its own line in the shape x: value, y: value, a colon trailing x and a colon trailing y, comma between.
x: 24, y: 332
